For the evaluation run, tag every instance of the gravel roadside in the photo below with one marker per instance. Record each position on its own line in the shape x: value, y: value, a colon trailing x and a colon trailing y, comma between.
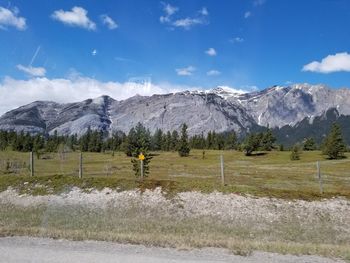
x: 43, y: 250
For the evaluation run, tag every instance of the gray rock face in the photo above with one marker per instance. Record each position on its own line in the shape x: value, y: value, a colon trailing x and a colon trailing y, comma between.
x: 201, y: 112
x: 280, y: 106
x: 219, y: 109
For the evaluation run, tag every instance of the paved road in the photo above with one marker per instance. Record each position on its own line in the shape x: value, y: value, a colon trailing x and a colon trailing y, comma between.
x: 42, y: 250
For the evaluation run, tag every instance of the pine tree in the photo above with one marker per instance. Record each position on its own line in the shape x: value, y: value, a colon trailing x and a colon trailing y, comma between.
x: 174, y: 140
x: 251, y: 143
x: 267, y: 140
x: 334, y: 145
x: 157, y: 140
x: 309, y: 144
x: 167, y: 141
x: 231, y: 141
x: 142, y: 144
x: 295, y: 154
x: 130, y: 142
x: 219, y: 141
x: 3, y: 140
x: 210, y: 141
x: 184, y: 147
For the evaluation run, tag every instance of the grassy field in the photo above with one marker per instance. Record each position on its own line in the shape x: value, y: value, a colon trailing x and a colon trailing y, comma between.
x: 272, y: 174
x: 274, y: 225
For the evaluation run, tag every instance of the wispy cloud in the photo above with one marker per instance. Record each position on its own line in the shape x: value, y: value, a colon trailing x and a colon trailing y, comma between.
x: 186, y: 23
x: 109, y: 22
x: 32, y: 71
x: 35, y: 55
x: 256, y: 4
x: 237, y: 40
x: 77, y: 17
x: 188, y: 71
x: 11, y: 18
x: 204, y: 11
x: 332, y: 63
x: 259, y: 2
x: 211, y: 52
x: 169, y: 10
x: 213, y: 72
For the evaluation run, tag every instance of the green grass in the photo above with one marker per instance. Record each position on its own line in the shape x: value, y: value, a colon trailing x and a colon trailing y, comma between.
x: 272, y: 174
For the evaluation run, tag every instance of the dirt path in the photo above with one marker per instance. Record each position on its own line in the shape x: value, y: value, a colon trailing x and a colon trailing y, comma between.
x: 28, y: 249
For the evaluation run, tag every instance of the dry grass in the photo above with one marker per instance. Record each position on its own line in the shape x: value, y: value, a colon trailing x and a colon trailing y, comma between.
x: 141, y: 226
x: 272, y: 174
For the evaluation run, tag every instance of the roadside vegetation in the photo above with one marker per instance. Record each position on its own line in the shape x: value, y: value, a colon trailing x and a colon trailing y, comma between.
x: 189, y: 220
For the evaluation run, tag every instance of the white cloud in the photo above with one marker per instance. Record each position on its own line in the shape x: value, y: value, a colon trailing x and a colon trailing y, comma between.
x: 186, y: 23
x: 169, y: 10
x: 77, y: 17
x: 188, y: 71
x: 32, y: 71
x: 213, y: 72
x: 10, y: 18
x: 15, y: 93
x: 247, y: 14
x: 237, y: 40
x: 204, y: 11
x: 329, y: 64
x: 211, y: 52
x: 109, y: 22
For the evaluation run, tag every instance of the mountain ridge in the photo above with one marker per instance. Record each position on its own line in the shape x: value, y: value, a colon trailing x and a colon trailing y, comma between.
x: 220, y: 109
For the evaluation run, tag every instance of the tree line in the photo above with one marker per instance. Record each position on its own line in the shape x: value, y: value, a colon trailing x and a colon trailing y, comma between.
x: 140, y: 138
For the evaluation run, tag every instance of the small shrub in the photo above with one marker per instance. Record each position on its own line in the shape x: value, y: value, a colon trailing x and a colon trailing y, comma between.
x: 295, y: 154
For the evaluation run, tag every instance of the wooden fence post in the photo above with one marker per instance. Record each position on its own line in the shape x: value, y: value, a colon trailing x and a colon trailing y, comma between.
x: 319, y: 176
x: 141, y: 170
x: 222, y: 169
x: 81, y: 165
x: 31, y: 161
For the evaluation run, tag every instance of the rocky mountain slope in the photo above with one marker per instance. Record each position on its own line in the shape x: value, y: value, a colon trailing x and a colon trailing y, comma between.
x: 279, y: 106
x: 317, y: 128
x: 219, y: 109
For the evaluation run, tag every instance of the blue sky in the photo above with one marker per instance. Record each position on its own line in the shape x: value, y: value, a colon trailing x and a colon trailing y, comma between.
x: 243, y: 44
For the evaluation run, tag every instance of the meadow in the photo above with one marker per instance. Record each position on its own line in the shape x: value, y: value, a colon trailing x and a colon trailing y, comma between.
x: 270, y: 174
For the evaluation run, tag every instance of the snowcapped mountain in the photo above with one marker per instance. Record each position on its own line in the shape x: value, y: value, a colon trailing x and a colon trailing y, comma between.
x: 220, y: 109
x: 279, y: 106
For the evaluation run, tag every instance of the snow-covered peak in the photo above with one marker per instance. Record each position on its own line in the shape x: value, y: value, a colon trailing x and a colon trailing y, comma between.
x: 308, y: 88
x: 226, y: 92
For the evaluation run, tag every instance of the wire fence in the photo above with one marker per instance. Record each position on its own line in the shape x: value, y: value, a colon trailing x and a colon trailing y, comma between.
x: 218, y: 167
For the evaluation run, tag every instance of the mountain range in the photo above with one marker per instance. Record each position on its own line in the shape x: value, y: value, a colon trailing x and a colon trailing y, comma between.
x: 288, y: 110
